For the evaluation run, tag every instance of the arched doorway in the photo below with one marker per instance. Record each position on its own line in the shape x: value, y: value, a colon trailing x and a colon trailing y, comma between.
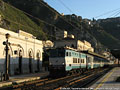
x: 38, y: 61
x: 30, y: 61
x: 20, y: 61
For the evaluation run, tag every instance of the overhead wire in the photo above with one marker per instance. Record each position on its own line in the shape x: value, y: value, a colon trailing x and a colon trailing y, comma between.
x: 107, y: 13
x: 65, y: 6
x: 112, y: 15
x: 117, y: 14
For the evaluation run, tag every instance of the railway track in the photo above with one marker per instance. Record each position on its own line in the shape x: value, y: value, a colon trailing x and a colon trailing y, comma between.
x: 84, y: 81
x: 79, y: 79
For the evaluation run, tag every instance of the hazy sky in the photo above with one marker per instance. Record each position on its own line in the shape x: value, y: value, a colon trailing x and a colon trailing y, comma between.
x: 87, y: 8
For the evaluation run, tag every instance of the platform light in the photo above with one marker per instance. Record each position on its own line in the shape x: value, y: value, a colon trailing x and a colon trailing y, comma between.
x: 7, y: 35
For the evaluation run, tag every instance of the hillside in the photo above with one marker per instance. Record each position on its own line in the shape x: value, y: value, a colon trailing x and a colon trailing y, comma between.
x: 37, y: 8
x: 97, y: 34
x: 15, y: 20
x: 105, y: 38
x: 111, y: 26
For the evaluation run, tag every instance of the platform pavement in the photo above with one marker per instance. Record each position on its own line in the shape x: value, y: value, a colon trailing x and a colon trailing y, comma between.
x: 108, y: 81
x: 23, y: 78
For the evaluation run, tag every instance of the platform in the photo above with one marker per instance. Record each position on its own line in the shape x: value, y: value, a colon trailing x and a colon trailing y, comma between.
x: 108, y: 81
x: 23, y: 78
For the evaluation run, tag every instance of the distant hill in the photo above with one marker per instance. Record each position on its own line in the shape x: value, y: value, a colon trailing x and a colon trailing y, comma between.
x: 99, y: 29
x: 99, y: 33
x: 111, y: 26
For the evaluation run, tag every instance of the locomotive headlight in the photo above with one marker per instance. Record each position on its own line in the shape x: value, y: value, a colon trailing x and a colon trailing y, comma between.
x: 63, y: 63
x: 50, y: 63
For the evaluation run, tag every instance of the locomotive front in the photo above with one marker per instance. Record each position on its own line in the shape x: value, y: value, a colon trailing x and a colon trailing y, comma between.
x: 57, y: 61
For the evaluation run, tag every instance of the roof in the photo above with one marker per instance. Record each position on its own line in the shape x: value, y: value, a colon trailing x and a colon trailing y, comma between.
x: 94, y: 54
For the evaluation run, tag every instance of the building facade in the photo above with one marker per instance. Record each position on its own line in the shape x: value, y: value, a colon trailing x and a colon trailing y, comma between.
x: 77, y: 44
x: 25, y: 52
x: 65, y: 40
x: 61, y: 34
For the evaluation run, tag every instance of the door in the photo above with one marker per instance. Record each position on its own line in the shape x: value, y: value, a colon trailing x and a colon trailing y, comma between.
x: 38, y: 60
x: 30, y: 62
x: 20, y: 62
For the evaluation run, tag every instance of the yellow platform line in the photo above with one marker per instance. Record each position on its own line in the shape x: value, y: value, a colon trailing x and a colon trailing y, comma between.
x: 99, y: 85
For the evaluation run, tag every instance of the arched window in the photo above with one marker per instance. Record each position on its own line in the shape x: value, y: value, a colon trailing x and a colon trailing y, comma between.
x: 38, y: 55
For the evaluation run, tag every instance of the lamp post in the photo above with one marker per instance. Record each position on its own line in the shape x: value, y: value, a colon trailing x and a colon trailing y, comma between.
x: 6, y: 43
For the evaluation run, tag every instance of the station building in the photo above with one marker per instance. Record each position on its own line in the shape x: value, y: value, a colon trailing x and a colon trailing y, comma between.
x: 25, y: 52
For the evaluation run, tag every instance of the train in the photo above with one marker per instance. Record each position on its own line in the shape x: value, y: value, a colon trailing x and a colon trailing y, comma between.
x: 66, y: 61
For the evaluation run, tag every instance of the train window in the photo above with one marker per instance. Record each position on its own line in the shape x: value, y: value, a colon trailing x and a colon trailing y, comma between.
x: 57, y: 53
x: 74, y: 60
x: 76, y: 54
x: 78, y: 60
x: 72, y: 53
x: 69, y: 53
x: 79, y: 55
x: 88, y: 59
x: 83, y: 60
x: 66, y: 53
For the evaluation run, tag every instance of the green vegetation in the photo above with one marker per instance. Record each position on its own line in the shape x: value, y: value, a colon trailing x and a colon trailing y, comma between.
x: 111, y: 26
x: 37, y: 8
x: 16, y: 20
x: 105, y: 38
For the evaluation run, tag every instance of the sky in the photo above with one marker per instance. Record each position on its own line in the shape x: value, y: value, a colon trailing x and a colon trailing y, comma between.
x: 87, y: 8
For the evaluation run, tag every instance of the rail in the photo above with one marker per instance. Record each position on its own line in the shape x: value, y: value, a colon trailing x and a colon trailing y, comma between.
x: 57, y: 84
